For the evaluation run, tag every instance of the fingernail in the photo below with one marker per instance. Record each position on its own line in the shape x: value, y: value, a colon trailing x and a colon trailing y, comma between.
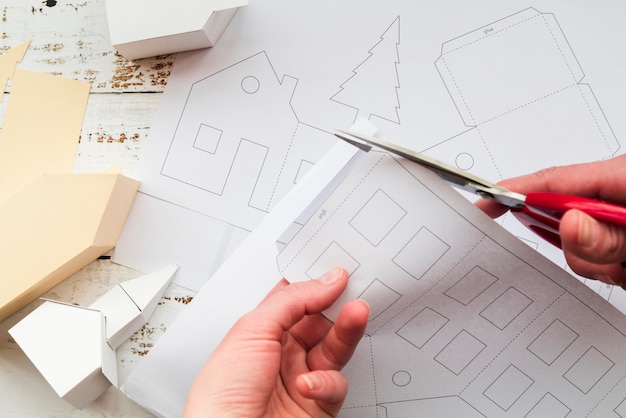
x: 587, y: 230
x: 332, y: 276
x: 311, y: 380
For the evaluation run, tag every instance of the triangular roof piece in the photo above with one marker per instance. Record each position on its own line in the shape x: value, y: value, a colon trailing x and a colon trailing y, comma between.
x: 146, y: 290
x: 129, y: 305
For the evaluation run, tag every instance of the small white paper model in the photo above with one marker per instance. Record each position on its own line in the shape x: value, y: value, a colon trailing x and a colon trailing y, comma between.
x: 145, y: 28
x: 73, y: 347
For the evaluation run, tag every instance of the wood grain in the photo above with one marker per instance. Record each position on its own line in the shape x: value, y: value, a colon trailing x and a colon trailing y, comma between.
x: 71, y: 39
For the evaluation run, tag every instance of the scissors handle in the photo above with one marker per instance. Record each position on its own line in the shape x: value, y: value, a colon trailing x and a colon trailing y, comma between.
x: 543, y: 211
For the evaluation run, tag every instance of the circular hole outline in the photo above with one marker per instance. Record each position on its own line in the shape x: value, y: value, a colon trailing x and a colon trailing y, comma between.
x: 401, y: 378
x: 250, y: 84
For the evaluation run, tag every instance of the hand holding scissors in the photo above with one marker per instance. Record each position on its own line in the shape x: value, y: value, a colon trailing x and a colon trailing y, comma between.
x: 591, y: 232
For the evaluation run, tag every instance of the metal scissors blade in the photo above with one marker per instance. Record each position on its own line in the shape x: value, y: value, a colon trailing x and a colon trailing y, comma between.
x: 452, y: 175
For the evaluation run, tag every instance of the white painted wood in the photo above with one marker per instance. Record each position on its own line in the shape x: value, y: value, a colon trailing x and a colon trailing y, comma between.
x: 70, y: 39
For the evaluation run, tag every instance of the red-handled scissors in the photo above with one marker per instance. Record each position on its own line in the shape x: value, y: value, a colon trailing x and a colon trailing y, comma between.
x: 539, y: 211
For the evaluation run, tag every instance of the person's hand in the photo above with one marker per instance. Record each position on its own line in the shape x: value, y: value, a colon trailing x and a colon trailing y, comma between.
x: 283, y: 358
x: 592, y: 249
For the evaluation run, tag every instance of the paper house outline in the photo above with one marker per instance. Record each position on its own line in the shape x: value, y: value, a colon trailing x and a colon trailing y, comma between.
x: 78, y: 361
x: 167, y: 28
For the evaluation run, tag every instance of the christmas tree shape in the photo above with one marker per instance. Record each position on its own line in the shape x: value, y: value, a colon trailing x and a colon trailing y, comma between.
x: 373, y: 86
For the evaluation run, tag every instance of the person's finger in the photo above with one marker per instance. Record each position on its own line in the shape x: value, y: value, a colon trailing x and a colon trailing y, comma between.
x: 328, y: 388
x: 334, y: 351
x: 592, y: 248
x: 288, y: 305
x: 592, y: 240
x: 311, y: 330
x: 603, y: 180
x: 492, y: 208
x: 613, y: 274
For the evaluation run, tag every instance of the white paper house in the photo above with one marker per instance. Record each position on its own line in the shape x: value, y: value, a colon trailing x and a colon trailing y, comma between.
x: 145, y: 28
x: 66, y: 343
x: 73, y: 347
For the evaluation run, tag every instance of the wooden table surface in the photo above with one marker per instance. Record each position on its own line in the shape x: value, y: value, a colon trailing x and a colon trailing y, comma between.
x: 70, y: 39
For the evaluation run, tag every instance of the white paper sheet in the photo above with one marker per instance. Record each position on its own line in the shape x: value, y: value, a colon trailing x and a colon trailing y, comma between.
x: 499, y: 88
x: 464, y: 315
x: 254, y: 262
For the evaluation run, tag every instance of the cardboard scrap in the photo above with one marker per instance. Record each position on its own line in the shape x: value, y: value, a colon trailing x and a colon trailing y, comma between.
x: 71, y: 346
x: 56, y: 226
x: 52, y: 222
x: 145, y: 28
x: 9, y: 60
x: 41, y: 128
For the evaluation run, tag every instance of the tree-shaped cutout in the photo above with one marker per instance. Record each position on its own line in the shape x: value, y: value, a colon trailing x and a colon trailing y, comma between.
x: 373, y: 87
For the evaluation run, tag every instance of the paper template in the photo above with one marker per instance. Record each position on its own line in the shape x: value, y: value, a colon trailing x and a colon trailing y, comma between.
x: 502, y: 89
x: 465, y: 317
x: 29, y: 149
x: 460, y: 321
x: 518, y: 78
x: 161, y: 382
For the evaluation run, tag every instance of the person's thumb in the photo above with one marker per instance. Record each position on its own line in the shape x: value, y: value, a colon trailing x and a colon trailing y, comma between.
x: 592, y: 240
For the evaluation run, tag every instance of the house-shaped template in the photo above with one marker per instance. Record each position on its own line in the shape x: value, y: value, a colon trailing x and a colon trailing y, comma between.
x: 249, y: 166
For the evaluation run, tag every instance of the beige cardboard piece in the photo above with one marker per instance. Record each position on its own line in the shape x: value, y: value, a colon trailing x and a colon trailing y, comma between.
x: 56, y: 226
x: 41, y: 128
x: 145, y: 28
x: 8, y: 61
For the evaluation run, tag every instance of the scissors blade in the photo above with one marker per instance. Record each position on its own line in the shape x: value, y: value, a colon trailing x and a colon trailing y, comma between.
x: 452, y: 175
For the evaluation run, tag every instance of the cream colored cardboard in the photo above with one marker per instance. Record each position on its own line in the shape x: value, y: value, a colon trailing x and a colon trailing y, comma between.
x: 55, y: 226
x: 41, y: 128
x: 74, y: 347
x: 145, y: 28
x: 8, y: 61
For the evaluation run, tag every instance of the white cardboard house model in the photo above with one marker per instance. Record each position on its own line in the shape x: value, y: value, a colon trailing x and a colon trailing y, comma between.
x: 145, y: 28
x: 73, y: 347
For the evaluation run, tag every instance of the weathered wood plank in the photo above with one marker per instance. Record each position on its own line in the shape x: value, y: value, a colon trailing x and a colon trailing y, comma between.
x: 114, y: 130
x: 71, y: 39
